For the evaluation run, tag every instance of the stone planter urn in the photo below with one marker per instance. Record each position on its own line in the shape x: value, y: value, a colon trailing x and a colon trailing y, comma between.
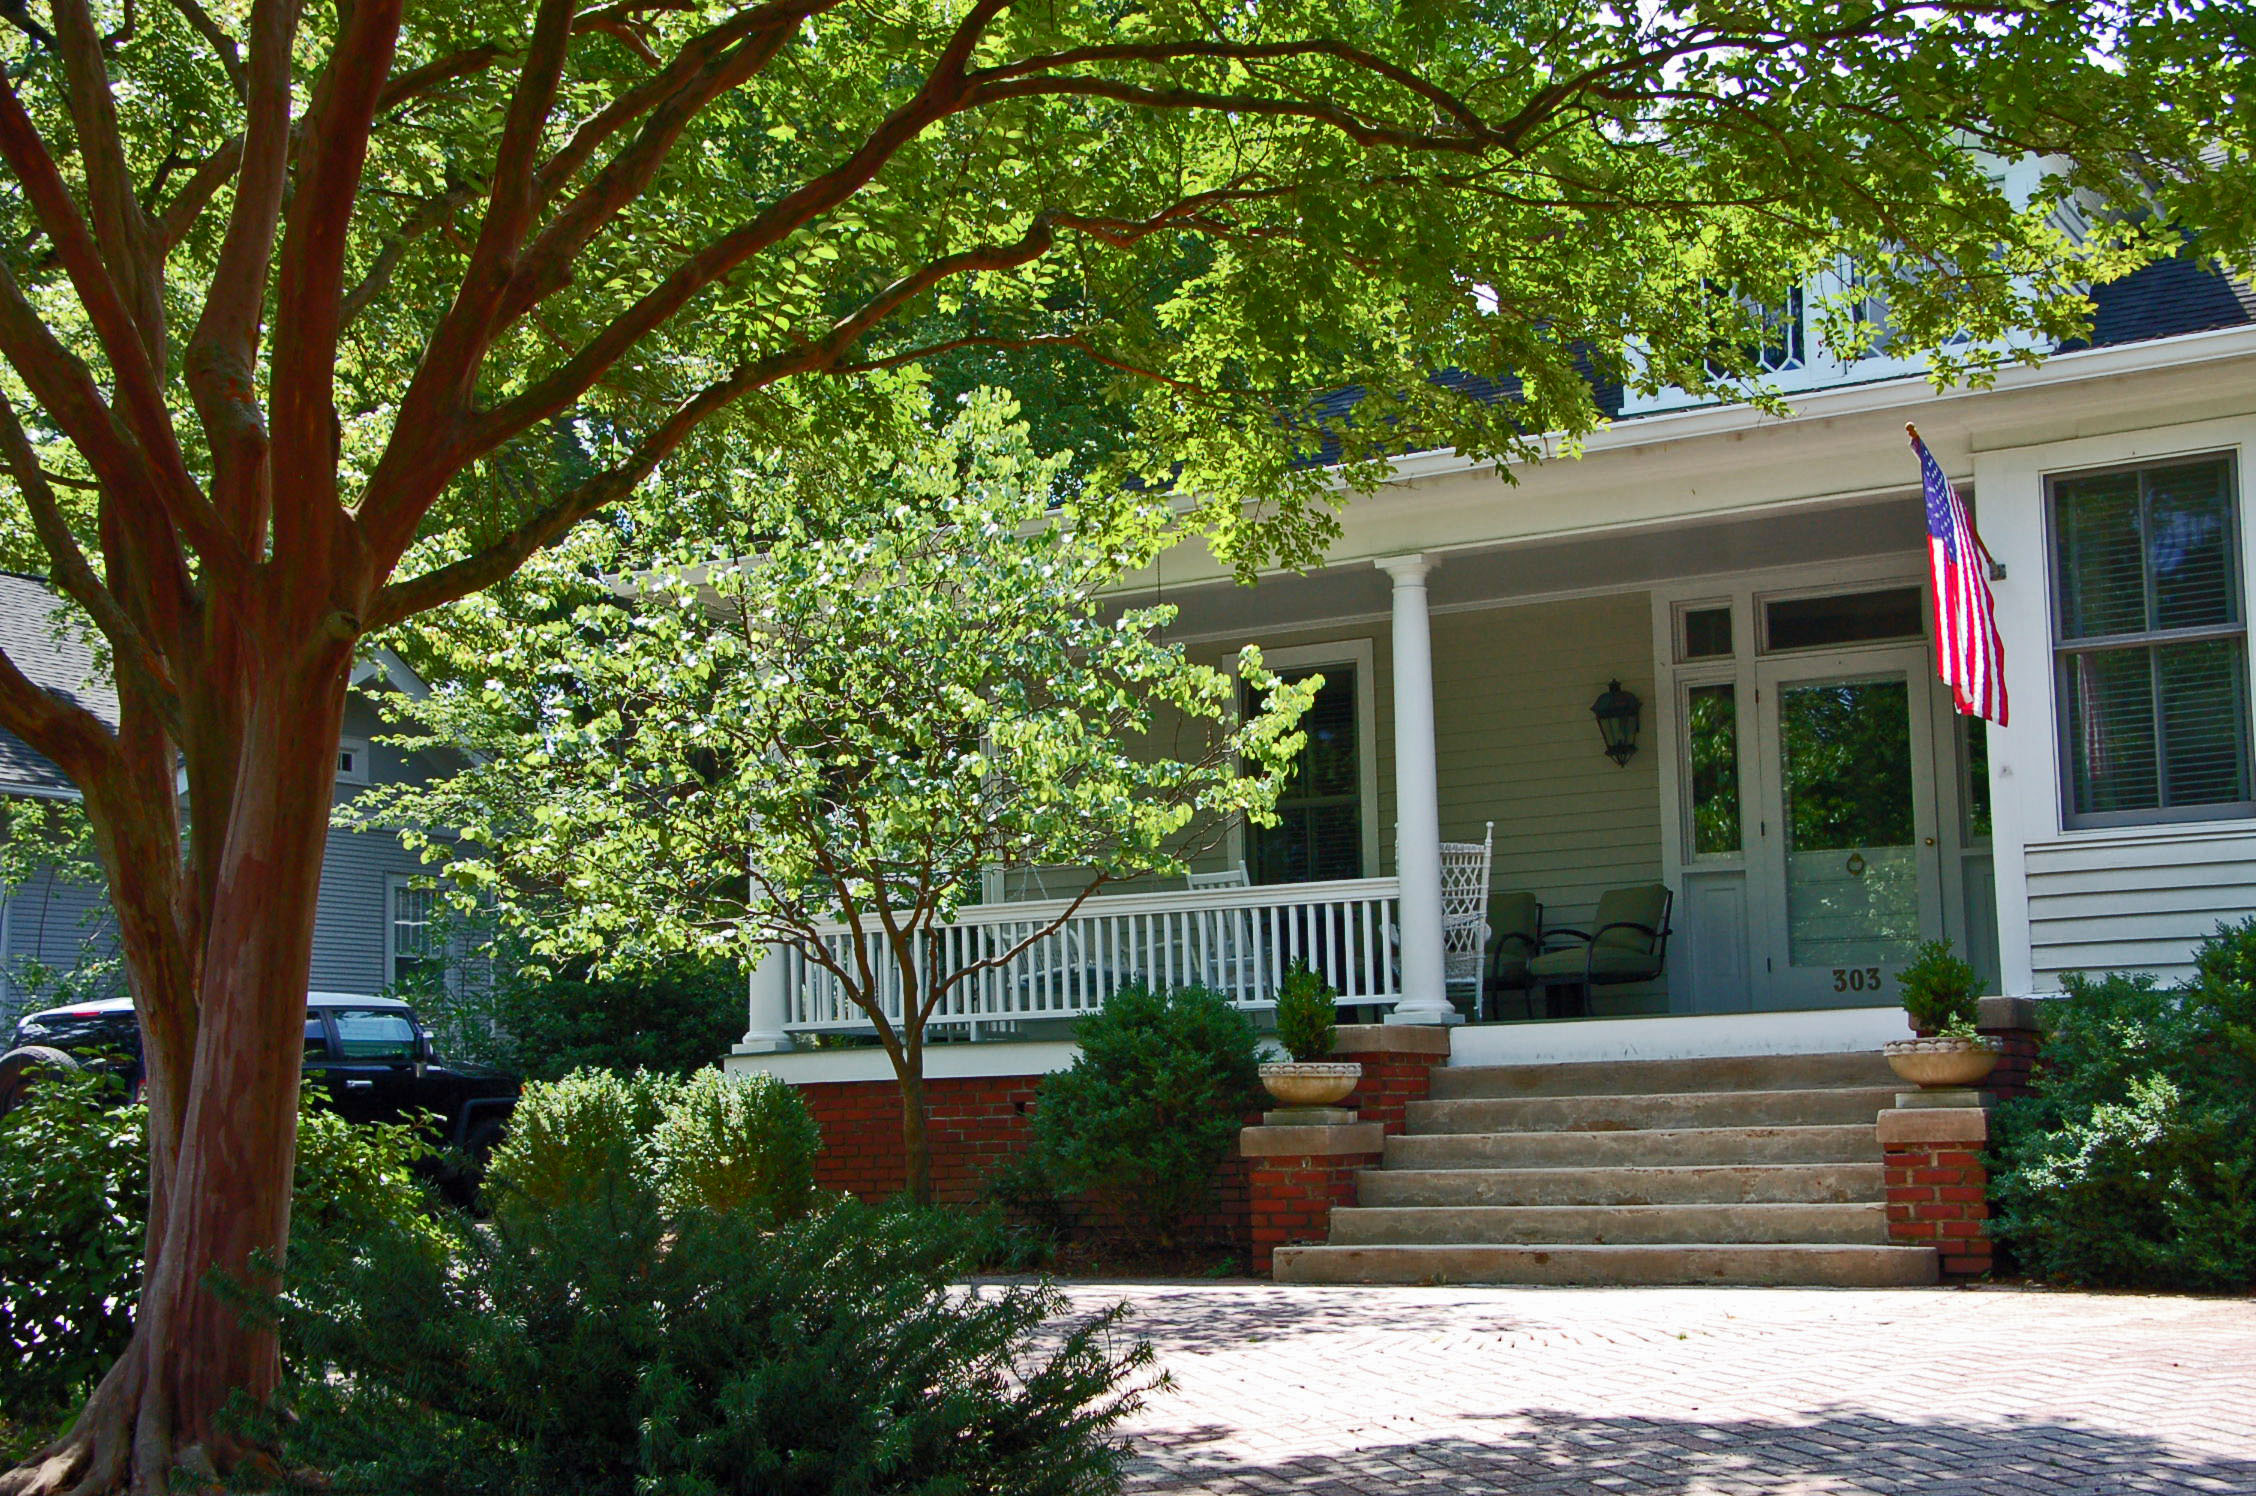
x: 1306, y: 1083
x: 1944, y: 1062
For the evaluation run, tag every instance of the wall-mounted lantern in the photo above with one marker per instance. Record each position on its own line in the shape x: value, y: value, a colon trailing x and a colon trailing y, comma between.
x: 1616, y: 712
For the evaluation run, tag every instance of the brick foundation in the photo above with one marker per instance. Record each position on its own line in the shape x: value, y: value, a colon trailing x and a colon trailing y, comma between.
x: 1398, y: 1061
x: 1938, y: 1189
x: 1295, y: 1178
x: 974, y: 1123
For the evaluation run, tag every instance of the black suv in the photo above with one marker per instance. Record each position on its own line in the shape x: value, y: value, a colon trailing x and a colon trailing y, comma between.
x: 370, y: 1053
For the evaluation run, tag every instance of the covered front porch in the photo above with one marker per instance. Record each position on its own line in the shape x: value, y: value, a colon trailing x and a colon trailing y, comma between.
x: 1796, y: 782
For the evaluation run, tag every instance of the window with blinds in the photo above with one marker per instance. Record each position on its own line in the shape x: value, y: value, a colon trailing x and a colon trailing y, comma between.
x: 2151, y: 644
x: 1319, y: 830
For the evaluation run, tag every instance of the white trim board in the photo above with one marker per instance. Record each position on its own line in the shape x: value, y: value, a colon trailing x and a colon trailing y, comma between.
x: 941, y: 1062
x: 1687, y: 1036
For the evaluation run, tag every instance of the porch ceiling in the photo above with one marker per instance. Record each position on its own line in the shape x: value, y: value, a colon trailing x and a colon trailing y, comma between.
x: 1622, y: 558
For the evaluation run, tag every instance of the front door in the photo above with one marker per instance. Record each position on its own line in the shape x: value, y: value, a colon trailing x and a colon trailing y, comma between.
x: 1846, y: 827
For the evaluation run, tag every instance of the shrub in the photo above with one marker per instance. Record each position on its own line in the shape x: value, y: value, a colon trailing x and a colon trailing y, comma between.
x: 676, y: 1020
x: 2134, y: 1161
x: 574, y: 1139
x: 685, y: 1351
x: 74, y: 1171
x: 1307, y: 1014
x: 736, y: 1145
x: 1941, y: 993
x: 1151, y: 1105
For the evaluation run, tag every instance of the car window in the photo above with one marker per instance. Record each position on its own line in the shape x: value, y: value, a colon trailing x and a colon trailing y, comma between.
x: 317, y: 1038
x: 81, y: 1032
x: 373, y: 1034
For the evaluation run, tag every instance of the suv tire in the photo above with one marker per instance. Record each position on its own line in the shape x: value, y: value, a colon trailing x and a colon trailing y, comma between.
x: 19, y: 1071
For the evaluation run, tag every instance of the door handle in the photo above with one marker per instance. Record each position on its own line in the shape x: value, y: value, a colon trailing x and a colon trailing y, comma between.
x: 1929, y: 840
x: 359, y: 1085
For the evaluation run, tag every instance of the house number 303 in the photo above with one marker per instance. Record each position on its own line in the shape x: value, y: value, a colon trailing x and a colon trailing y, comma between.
x: 1856, y: 979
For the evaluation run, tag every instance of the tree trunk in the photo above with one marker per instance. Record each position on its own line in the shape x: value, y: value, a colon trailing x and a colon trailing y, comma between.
x: 916, y: 1147
x: 224, y: 1192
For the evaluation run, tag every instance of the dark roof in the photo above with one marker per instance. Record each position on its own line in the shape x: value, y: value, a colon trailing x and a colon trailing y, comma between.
x: 2168, y: 299
x: 44, y: 636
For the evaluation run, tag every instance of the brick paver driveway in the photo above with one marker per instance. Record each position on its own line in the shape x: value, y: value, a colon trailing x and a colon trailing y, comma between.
x: 1691, y: 1391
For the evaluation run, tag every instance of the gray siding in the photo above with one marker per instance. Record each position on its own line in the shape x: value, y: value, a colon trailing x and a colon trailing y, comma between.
x: 2136, y: 903
x: 57, y: 922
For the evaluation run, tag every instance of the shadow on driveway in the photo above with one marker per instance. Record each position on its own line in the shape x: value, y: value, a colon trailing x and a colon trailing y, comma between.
x: 1844, y: 1453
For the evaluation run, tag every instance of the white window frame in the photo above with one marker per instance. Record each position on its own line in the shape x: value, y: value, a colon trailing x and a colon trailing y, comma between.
x: 396, y: 884
x: 2236, y: 543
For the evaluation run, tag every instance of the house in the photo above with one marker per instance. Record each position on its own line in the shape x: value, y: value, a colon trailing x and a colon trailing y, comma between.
x: 1792, y: 774
x: 373, y: 925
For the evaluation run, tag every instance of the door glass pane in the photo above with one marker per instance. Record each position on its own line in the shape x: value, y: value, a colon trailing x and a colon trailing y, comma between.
x: 1974, y: 785
x: 1852, y: 855
x: 1712, y: 738
x: 1319, y: 830
x: 2110, y: 730
x: 2203, y: 700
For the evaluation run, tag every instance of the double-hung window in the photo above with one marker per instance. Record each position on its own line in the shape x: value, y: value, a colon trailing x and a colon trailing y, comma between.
x: 416, y: 951
x: 2150, y: 640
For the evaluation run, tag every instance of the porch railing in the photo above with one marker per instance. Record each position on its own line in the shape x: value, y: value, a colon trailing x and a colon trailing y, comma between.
x: 1239, y: 941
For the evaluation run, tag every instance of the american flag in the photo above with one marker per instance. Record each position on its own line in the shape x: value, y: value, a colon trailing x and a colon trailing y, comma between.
x: 1969, y: 655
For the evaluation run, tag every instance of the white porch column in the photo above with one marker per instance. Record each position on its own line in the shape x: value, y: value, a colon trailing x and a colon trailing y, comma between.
x: 767, y: 1006
x: 1417, y: 800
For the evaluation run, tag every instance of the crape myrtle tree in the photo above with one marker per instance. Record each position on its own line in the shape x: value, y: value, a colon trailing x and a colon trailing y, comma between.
x: 903, y: 672
x: 314, y: 318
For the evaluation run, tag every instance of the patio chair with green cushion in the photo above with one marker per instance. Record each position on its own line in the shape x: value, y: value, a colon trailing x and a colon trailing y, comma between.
x: 1627, y: 942
x: 1515, y: 922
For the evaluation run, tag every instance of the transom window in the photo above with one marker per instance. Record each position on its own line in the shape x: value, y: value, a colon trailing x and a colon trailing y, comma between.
x: 2151, y: 644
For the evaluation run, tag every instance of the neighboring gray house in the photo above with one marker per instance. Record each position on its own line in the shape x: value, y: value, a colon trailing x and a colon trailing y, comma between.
x: 373, y: 926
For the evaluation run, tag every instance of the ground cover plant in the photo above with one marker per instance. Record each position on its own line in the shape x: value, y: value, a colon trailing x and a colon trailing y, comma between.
x: 2134, y: 1163
x: 316, y: 318
x: 663, y: 1303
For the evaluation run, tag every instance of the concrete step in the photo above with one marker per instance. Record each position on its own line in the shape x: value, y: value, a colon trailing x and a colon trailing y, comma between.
x: 1833, y: 1266
x: 1839, y: 1143
x: 1650, y: 1185
x: 1444, y: 1225
x: 1765, y: 1072
x: 1802, y: 1108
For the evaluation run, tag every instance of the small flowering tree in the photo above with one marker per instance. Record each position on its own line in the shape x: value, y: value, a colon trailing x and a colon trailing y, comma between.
x: 908, y: 685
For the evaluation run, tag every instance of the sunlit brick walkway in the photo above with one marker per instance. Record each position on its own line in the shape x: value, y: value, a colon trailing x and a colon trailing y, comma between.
x: 1691, y: 1392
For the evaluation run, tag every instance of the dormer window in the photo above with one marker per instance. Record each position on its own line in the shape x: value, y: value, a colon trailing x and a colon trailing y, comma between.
x: 352, y: 761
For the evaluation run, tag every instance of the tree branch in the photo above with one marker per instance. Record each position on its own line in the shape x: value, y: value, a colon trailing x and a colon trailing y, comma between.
x: 309, y: 285
x: 223, y: 46
x: 222, y: 358
x: 121, y: 229
x: 76, y: 577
